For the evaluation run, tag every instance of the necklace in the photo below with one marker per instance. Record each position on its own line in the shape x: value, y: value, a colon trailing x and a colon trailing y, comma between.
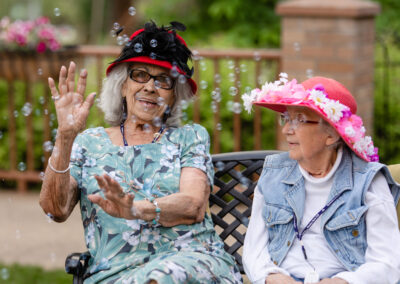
x: 156, y: 135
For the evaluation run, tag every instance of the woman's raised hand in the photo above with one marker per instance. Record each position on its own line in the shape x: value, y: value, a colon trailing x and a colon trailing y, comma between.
x: 72, y: 110
x: 117, y: 203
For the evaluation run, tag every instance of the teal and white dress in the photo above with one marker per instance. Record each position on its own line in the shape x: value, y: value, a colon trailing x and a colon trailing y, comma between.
x: 134, y: 251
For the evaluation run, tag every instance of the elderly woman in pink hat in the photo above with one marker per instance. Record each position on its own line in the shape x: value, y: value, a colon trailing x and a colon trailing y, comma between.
x: 323, y: 212
x: 142, y: 183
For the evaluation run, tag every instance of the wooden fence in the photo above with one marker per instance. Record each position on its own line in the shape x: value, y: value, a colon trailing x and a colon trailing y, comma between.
x: 23, y: 78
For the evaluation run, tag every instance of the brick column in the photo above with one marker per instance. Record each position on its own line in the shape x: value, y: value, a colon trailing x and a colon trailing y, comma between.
x: 331, y: 38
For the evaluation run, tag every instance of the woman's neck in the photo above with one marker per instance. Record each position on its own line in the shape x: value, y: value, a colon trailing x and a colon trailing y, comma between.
x: 319, y: 166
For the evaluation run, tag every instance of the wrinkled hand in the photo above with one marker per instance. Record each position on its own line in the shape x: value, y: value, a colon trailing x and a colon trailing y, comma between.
x: 71, y: 108
x: 277, y: 278
x: 117, y: 203
x: 333, y: 281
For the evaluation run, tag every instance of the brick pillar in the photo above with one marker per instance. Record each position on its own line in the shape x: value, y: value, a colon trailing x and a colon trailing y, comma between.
x: 331, y: 38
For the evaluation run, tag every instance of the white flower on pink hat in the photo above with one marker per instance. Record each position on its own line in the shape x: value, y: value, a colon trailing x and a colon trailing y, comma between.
x: 333, y: 110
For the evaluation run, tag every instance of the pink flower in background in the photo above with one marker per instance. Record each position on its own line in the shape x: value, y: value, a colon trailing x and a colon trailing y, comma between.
x: 39, y: 34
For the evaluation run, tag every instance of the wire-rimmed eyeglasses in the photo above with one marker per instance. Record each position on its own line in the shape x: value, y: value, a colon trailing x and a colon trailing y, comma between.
x: 294, y: 123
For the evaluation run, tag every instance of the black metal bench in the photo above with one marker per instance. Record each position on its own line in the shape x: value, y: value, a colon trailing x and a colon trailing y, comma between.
x: 236, y: 176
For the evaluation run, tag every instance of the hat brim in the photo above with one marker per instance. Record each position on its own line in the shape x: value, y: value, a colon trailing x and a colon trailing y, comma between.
x: 282, y: 107
x: 148, y: 60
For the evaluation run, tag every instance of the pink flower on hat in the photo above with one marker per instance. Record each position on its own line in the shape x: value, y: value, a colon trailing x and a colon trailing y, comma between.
x: 282, y: 93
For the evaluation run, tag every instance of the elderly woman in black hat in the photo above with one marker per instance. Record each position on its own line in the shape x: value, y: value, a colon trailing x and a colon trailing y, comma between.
x: 143, y: 183
x: 323, y: 212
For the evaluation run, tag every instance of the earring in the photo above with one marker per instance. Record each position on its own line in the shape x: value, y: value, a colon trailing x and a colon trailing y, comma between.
x: 124, y: 109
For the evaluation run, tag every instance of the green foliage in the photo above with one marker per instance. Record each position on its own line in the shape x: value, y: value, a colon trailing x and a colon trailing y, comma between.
x: 18, y: 274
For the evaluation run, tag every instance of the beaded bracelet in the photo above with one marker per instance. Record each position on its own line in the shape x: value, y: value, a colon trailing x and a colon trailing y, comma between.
x: 57, y: 171
x: 158, y: 211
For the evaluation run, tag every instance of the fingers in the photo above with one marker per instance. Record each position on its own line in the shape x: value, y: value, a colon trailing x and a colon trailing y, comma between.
x: 71, y: 77
x: 98, y: 200
x: 89, y: 101
x: 82, y: 82
x: 53, y: 89
x: 111, y: 187
x: 62, y: 85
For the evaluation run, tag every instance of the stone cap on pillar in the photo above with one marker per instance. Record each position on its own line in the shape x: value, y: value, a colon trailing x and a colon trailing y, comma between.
x: 328, y: 8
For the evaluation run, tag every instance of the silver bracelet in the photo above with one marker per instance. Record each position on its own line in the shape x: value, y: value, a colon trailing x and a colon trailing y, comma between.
x: 57, y: 171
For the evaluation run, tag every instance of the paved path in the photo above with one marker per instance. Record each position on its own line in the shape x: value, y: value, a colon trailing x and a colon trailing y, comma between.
x: 27, y: 236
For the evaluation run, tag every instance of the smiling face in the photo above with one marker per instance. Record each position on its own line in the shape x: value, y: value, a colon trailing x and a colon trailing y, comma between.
x: 145, y: 101
x: 309, y: 142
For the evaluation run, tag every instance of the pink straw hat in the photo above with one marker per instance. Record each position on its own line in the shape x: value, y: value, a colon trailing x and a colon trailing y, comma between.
x: 328, y: 98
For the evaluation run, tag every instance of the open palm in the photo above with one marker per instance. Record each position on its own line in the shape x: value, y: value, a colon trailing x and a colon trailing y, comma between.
x: 71, y: 108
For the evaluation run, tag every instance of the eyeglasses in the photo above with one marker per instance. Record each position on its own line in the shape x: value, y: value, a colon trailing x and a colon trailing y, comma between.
x: 294, y: 123
x: 161, y: 81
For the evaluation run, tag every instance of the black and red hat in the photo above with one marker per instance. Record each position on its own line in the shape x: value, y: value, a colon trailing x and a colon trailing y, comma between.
x: 160, y: 46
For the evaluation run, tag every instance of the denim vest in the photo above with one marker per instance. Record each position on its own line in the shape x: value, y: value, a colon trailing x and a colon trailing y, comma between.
x: 343, y: 223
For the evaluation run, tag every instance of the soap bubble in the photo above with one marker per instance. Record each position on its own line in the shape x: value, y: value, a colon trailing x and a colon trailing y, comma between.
x: 203, y: 84
x: 40, y: 71
x: 57, y: 12
x: 220, y: 165
x: 219, y: 126
x: 48, y: 146
x: 296, y: 46
x: 174, y: 72
x: 146, y: 128
x: 153, y: 43
x: 120, y: 40
x: 132, y: 11
x: 237, y: 107
x: 184, y: 104
x: 233, y: 91
x: 257, y: 56
x: 26, y: 109
x: 21, y: 166
x: 309, y: 73
x: 217, y: 78
x: 182, y: 79
x: 5, y: 274
x: 157, y: 122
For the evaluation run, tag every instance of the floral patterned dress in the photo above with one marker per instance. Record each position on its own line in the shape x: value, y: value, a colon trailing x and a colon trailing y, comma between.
x: 135, y: 251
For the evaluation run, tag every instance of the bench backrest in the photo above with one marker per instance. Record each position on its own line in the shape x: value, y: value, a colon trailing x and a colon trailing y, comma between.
x: 235, y: 178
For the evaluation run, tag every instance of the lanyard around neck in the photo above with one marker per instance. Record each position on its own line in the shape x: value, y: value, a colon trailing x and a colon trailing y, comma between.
x: 300, y: 235
x: 156, y: 135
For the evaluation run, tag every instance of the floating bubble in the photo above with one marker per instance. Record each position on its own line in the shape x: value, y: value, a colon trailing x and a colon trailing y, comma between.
x: 182, y: 79
x: 157, y: 84
x: 237, y: 107
x: 220, y: 165
x: 133, y: 118
x: 70, y: 119
x: 217, y: 78
x: 21, y: 166
x: 245, y: 181
x: 296, y: 46
x: 48, y: 146
x: 146, y: 128
x: 116, y: 26
x: 37, y: 112
x: 113, y: 33
x: 132, y: 11
x: 40, y: 71
x: 184, y: 116
x: 216, y: 96
x: 214, y: 107
x: 203, y: 84
x: 231, y: 77
x: 184, y: 104
x: 247, y: 89
x: 42, y: 158
x: 219, y: 126
x: 174, y: 72
x: 16, y: 113
x: 257, y: 56
x: 196, y: 55
x: 1, y: 134
x: 5, y: 274
x: 52, y: 116
x: 260, y: 80
x: 231, y: 64
x: 128, y: 43
x: 26, y: 109
x: 126, y: 38
x: 243, y: 68
x: 160, y: 101
x: 153, y: 43
x: 54, y: 133
x: 41, y: 175
x: 153, y: 55
x: 17, y: 234
x: 157, y: 122
x: 229, y: 105
x: 55, y: 152
x: 49, y: 218
x: 237, y: 70
x: 57, y: 12
x: 203, y: 66
x: 46, y: 111
x: 42, y: 100
x: 245, y: 221
x: 120, y: 40
x: 309, y: 73
x: 233, y: 91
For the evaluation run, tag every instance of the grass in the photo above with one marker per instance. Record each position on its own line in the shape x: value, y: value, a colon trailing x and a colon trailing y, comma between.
x: 19, y: 274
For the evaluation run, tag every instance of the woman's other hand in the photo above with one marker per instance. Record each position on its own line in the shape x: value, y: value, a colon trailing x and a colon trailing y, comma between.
x: 277, y: 278
x: 71, y: 108
x: 117, y: 203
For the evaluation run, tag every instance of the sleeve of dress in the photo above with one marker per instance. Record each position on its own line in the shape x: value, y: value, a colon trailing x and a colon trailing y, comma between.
x: 256, y: 259
x: 77, y: 159
x: 382, y: 257
x: 196, y: 151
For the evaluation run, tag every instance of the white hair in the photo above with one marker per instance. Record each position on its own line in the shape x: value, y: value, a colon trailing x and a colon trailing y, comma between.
x: 110, y: 101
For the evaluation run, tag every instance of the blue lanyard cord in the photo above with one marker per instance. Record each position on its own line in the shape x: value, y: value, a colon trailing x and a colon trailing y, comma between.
x: 156, y: 136
x: 312, y: 221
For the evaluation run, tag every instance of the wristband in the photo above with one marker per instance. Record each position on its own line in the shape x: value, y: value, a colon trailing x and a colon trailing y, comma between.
x: 57, y: 171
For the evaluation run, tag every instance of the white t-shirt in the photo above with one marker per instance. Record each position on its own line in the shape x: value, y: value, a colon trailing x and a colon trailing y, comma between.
x: 382, y: 258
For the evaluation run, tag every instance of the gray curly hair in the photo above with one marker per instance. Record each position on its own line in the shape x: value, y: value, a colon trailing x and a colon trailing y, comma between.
x: 110, y: 101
